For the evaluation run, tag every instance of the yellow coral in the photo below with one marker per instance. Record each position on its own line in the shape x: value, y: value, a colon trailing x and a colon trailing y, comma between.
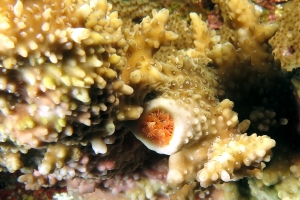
x: 75, y: 56
x: 199, y: 118
x: 54, y: 71
x: 285, y: 41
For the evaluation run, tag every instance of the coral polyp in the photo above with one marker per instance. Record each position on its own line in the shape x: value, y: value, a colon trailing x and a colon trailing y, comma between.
x: 158, y: 127
x: 161, y: 127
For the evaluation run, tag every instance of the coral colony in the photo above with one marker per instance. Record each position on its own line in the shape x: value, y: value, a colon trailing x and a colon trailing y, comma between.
x: 142, y: 100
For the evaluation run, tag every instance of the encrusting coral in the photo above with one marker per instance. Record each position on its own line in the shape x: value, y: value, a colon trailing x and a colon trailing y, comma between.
x: 76, y: 88
x: 286, y: 40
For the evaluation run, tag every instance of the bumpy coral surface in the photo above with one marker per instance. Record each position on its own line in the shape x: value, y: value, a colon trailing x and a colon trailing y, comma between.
x: 286, y: 40
x: 60, y: 83
x: 143, y: 100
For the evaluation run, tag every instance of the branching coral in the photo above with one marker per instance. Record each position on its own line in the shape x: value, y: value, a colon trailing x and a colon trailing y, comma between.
x: 222, y: 156
x: 69, y: 79
x: 205, y: 121
x: 60, y: 81
x: 76, y: 87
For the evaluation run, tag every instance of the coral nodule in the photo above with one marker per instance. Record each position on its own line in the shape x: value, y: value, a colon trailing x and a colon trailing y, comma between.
x: 125, y: 99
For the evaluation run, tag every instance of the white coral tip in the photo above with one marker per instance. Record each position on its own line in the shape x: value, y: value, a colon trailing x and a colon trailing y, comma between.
x: 98, y: 145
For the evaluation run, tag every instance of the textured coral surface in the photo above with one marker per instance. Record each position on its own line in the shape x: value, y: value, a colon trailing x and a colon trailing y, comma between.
x: 286, y: 40
x: 142, y: 99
